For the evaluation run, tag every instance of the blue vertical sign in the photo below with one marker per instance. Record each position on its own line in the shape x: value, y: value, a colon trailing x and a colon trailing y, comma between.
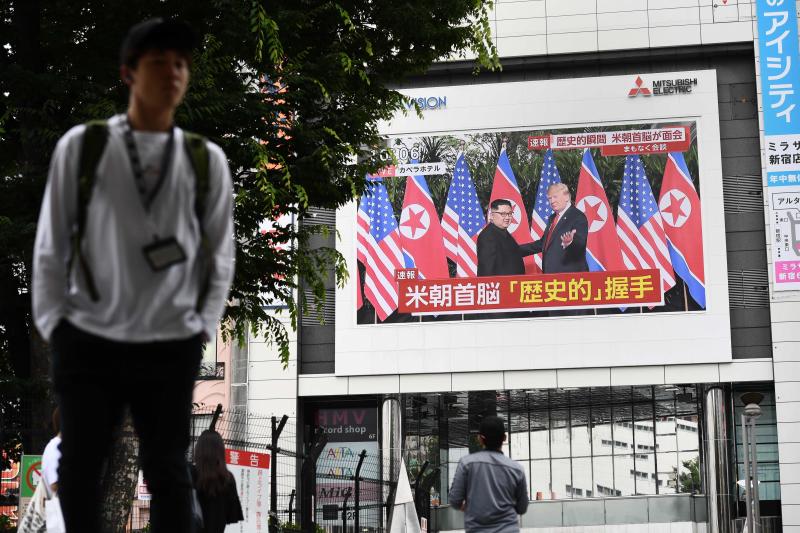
x: 780, y: 89
x: 777, y: 46
x: 779, y: 64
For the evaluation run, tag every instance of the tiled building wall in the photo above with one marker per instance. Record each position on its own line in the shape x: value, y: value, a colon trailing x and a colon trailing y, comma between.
x: 548, y: 27
x: 272, y: 389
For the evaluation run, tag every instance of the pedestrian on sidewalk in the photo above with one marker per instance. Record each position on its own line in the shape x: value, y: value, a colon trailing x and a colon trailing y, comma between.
x: 132, y: 264
x: 489, y: 487
x: 216, y: 487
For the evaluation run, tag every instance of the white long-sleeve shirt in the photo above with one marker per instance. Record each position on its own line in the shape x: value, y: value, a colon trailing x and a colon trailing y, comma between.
x: 135, y: 303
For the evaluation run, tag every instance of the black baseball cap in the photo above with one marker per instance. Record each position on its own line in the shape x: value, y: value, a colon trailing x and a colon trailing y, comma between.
x: 157, y: 34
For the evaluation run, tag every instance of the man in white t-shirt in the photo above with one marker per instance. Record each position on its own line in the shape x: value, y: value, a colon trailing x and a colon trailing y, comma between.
x: 127, y: 313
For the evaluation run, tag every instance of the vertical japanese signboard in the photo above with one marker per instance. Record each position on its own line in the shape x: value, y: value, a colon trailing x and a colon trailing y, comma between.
x: 349, y: 431
x: 780, y: 89
x: 252, y: 475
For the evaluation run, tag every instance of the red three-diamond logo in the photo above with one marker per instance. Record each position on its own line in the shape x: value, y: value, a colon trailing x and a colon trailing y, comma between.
x: 639, y: 89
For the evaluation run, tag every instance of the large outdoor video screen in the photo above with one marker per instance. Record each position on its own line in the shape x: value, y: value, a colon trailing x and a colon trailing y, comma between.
x: 539, y: 225
x: 526, y: 223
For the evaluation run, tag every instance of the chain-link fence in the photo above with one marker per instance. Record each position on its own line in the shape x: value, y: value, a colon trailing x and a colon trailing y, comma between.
x: 261, y: 453
x: 348, y: 487
x: 350, y: 490
x: 355, y: 487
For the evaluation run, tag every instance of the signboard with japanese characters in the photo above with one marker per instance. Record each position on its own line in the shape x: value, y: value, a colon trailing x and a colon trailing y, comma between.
x: 350, y: 432
x: 252, y: 475
x: 549, y: 219
x: 780, y: 91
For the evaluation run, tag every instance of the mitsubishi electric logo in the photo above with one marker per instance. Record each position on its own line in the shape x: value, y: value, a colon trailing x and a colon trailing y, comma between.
x: 644, y: 91
x: 662, y: 87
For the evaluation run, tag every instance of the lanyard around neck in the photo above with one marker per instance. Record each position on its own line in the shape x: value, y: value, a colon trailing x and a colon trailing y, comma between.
x: 136, y: 164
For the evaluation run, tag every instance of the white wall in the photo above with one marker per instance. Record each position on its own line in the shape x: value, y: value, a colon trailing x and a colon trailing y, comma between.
x: 272, y: 390
x: 547, y: 27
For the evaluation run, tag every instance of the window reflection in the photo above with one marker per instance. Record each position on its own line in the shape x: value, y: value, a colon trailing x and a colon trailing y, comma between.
x: 559, y: 433
x: 580, y: 443
x: 540, y: 480
x: 766, y: 447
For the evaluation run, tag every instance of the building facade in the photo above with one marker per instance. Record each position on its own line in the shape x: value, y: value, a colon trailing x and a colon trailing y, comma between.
x: 622, y: 393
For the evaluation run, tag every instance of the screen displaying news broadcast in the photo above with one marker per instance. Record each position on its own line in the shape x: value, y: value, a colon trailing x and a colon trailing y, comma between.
x: 533, y: 223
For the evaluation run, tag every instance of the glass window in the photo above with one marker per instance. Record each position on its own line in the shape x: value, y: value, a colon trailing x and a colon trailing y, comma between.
x: 646, y: 479
x: 622, y: 430
x: 767, y: 444
x: 644, y: 431
x: 559, y: 433
x: 526, y: 466
x: 603, y: 472
x: 582, y: 477
x: 540, y: 434
x: 579, y: 431
x: 540, y: 480
x: 624, y: 475
x: 585, y: 442
x: 689, y: 476
x: 602, y: 441
x: 519, y: 436
x: 668, y: 472
x: 562, y: 478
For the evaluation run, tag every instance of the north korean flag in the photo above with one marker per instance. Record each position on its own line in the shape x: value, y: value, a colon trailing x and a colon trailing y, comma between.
x: 505, y: 186
x: 602, y: 246
x: 421, y: 232
x: 680, y: 209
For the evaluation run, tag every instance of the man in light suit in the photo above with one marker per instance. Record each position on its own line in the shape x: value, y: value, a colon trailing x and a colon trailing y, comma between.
x: 563, y: 244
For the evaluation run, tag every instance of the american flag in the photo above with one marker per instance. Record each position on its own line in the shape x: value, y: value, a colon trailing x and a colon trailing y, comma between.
x: 639, y: 225
x: 463, y: 219
x: 378, y: 245
x: 541, y: 209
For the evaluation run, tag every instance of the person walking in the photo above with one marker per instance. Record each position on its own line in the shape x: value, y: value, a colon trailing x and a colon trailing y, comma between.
x: 133, y: 261
x: 216, y: 488
x: 489, y: 487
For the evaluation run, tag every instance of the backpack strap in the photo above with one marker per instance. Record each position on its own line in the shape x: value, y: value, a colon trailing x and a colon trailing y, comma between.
x: 197, y: 150
x: 94, y: 143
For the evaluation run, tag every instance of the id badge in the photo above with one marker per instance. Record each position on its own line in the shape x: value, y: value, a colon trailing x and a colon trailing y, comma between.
x: 163, y: 254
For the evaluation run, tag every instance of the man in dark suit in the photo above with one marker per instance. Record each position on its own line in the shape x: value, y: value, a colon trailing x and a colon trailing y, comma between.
x: 563, y: 244
x: 498, y: 253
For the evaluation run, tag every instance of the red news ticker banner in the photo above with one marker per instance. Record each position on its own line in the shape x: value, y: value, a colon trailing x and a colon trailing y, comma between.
x: 522, y: 293
x: 655, y: 141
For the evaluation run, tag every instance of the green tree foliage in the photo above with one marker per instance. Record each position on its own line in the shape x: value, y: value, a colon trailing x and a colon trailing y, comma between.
x: 689, y: 480
x: 291, y: 89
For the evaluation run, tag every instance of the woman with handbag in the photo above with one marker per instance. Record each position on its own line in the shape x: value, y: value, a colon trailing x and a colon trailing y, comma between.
x: 215, y: 485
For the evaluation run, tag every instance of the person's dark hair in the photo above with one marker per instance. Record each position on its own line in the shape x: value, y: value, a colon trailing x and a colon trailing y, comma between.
x: 500, y: 201
x: 157, y: 34
x: 56, y: 420
x: 493, y: 430
x: 209, y: 462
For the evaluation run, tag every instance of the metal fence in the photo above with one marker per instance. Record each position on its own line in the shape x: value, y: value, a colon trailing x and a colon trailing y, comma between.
x: 355, y: 487
x: 350, y: 491
x: 347, y: 488
x: 247, y: 432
